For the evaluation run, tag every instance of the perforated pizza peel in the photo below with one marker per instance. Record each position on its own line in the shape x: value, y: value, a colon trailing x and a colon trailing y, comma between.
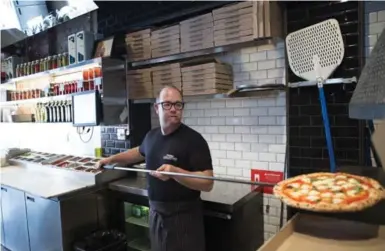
x: 314, y: 53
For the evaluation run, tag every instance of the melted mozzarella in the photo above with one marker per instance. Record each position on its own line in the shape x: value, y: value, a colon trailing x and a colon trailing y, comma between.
x: 295, y: 185
x: 322, y: 177
x: 322, y: 187
x: 306, y: 180
x: 306, y: 187
x: 312, y: 198
x: 335, y: 188
x: 348, y: 185
x: 337, y: 201
x: 326, y: 195
x: 341, y: 182
x: 313, y: 192
x: 353, y: 181
x: 340, y: 195
x: 295, y: 194
x: 304, y: 191
x: 351, y: 192
x: 365, y: 187
x: 341, y: 177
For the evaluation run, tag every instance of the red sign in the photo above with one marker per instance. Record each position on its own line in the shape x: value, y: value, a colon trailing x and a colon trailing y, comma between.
x: 266, y: 176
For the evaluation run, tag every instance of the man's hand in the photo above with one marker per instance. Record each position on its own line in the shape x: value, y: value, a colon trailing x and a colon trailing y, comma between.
x: 164, y: 168
x: 102, y: 162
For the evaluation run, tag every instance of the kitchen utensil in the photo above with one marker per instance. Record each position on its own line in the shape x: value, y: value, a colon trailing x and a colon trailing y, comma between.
x: 314, y: 53
x: 114, y: 167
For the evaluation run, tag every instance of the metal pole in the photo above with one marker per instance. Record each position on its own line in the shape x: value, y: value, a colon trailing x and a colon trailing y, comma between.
x: 191, y: 176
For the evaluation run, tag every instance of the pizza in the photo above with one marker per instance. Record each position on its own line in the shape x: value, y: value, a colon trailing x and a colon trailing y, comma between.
x: 330, y: 192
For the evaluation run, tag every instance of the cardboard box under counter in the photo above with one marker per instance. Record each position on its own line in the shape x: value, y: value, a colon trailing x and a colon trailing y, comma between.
x: 317, y: 233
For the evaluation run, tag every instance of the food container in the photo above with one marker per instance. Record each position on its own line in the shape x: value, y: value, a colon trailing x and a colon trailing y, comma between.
x: 64, y: 164
x: 85, y: 160
x: 74, y: 159
x: 80, y: 168
x: 89, y: 164
x: 73, y: 165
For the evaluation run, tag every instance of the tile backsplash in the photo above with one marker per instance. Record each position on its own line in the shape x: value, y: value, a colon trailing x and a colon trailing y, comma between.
x: 47, y: 137
x: 246, y: 133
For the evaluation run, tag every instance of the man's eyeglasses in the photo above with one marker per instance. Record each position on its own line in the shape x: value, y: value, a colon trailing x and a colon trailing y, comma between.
x: 168, y: 105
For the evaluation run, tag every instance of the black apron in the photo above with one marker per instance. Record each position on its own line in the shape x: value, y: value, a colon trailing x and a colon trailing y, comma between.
x: 177, y: 226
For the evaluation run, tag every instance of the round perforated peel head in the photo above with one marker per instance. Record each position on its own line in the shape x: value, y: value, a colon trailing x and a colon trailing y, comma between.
x: 316, y: 51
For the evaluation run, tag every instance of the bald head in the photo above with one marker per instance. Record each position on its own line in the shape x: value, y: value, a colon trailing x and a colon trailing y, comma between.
x: 169, y: 107
x: 169, y: 91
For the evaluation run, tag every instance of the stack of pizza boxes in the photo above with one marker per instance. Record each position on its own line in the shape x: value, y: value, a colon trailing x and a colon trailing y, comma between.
x: 197, y: 33
x: 165, y: 41
x: 207, y: 78
x: 139, y: 83
x: 246, y: 21
x: 169, y: 74
x: 138, y: 45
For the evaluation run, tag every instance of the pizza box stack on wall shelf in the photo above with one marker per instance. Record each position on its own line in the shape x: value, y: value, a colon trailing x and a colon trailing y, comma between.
x: 197, y: 33
x: 165, y: 41
x: 246, y: 21
x: 166, y: 75
x: 207, y: 78
x: 138, y: 45
x: 139, y: 84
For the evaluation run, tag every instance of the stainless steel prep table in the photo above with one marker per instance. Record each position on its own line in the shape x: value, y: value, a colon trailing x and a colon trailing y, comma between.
x: 233, y: 212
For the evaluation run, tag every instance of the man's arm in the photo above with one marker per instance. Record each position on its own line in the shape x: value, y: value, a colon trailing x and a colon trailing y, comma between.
x: 130, y: 156
x: 195, y: 183
x: 204, y: 185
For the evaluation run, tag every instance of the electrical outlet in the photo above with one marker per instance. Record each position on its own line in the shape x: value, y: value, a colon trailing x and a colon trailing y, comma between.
x: 121, y: 133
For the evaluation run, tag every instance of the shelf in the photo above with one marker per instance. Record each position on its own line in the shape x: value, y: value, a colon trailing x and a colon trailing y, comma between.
x: 142, y: 244
x: 239, y: 92
x: 137, y: 221
x: 54, y: 71
x: 37, y: 100
x: 331, y: 81
x: 195, y: 54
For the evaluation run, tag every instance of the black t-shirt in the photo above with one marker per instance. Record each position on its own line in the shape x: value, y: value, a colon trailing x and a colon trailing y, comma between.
x: 184, y: 148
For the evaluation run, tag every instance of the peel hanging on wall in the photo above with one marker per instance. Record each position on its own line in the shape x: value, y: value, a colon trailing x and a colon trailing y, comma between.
x: 314, y: 53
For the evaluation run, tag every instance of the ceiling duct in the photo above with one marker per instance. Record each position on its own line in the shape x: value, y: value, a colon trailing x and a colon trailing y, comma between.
x: 11, y: 36
x: 368, y: 100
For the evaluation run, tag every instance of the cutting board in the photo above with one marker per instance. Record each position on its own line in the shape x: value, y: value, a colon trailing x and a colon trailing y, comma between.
x: 378, y: 139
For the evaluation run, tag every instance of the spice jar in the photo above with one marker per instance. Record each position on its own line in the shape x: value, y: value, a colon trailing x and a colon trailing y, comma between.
x: 42, y: 65
x: 58, y: 60
x: 37, y: 66
x: 54, y: 62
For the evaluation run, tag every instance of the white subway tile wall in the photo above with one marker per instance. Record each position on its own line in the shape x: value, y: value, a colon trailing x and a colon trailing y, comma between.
x: 246, y: 133
x: 374, y: 29
x: 53, y: 138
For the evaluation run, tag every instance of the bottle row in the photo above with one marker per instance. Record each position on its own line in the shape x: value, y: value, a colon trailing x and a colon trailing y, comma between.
x: 45, y: 64
x: 53, y: 112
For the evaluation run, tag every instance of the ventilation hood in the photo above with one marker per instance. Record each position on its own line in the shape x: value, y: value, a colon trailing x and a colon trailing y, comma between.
x: 368, y: 100
x: 11, y: 36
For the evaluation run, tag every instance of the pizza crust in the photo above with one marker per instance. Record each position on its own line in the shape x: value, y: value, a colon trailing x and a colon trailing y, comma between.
x: 376, y: 194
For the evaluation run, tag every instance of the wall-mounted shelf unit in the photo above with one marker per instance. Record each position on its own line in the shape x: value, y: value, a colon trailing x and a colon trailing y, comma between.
x: 184, y: 56
x: 37, y: 100
x: 57, y: 71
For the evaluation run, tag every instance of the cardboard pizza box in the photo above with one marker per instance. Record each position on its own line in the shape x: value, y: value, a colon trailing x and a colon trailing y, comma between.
x: 317, y: 233
x: 378, y: 139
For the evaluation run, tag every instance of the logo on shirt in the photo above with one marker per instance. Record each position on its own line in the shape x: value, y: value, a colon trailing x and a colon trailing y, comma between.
x: 170, y: 157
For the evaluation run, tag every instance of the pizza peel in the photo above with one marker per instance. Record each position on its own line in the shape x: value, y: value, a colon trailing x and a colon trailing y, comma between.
x: 314, y: 53
x: 141, y: 170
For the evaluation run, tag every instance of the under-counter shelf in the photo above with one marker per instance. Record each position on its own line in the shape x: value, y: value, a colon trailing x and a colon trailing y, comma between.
x: 143, y: 222
x: 141, y: 244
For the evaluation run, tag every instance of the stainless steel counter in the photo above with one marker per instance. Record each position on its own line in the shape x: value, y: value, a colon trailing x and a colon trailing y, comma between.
x: 225, y: 197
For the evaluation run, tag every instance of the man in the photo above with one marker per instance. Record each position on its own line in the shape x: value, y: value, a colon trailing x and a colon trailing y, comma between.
x: 176, y: 218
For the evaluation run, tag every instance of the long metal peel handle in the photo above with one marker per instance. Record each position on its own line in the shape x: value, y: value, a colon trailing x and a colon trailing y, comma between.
x: 193, y: 176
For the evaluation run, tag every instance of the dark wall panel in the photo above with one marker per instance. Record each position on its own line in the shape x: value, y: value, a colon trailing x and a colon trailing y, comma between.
x: 308, y: 151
